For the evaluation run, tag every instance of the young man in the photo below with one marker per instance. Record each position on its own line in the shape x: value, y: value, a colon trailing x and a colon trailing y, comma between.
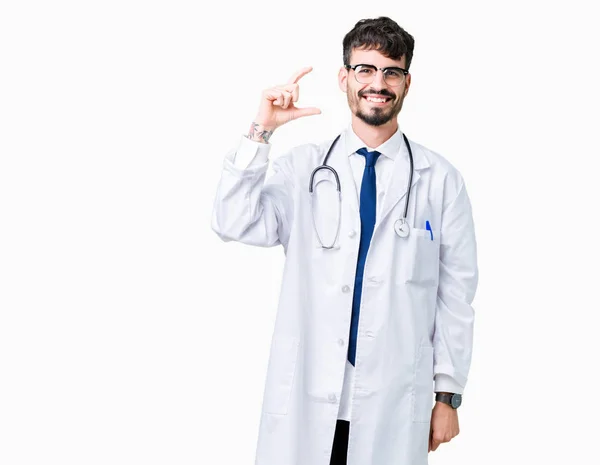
x: 375, y: 311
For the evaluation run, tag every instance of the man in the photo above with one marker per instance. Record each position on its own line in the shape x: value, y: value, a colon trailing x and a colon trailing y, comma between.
x: 361, y: 339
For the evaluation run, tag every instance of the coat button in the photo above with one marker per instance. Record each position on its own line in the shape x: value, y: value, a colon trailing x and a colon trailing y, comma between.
x: 352, y: 233
x: 341, y: 341
x: 332, y: 397
x: 345, y: 288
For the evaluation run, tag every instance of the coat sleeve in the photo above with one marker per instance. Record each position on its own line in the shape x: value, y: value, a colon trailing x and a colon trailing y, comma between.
x: 453, y: 333
x: 249, y: 208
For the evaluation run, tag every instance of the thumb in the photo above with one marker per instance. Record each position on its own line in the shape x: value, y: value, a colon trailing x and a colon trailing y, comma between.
x: 300, y: 112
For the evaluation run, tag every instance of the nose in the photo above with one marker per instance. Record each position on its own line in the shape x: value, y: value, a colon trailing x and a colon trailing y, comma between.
x: 378, y: 81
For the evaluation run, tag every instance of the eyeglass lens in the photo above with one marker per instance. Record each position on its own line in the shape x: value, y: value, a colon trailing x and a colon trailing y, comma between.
x: 366, y: 74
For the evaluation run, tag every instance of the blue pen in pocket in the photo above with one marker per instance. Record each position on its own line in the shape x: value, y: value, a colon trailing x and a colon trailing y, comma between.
x: 428, y: 227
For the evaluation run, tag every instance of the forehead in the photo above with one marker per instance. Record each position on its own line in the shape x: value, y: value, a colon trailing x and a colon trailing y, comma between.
x: 373, y: 57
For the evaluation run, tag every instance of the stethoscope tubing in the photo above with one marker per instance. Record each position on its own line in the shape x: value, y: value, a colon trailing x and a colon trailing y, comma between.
x: 339, y: 188
x: 326, y: 166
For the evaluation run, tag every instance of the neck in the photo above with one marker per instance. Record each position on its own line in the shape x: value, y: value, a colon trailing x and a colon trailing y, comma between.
x: 374, y: 136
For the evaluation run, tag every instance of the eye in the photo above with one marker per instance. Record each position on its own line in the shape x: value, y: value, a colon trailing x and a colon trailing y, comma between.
x: 392, y: 73
x: 363, y: 70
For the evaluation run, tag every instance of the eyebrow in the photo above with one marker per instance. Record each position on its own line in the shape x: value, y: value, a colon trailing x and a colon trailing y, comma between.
x: 385, y: 67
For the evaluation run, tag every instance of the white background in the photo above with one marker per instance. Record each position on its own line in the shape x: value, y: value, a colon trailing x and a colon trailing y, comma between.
x: 131, y: 334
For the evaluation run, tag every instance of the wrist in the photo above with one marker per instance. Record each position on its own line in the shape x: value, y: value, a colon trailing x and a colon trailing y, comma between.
x: 259, y: 132
x: 452, y: 399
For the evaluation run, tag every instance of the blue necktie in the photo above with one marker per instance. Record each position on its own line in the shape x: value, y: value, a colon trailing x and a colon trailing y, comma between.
x: 368, y: 208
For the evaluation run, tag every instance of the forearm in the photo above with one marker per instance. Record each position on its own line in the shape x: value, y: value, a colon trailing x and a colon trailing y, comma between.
x: 454, y: 320
x: 248, y: 207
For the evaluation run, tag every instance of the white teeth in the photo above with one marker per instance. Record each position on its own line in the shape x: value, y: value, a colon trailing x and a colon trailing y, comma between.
x: 374, y: 99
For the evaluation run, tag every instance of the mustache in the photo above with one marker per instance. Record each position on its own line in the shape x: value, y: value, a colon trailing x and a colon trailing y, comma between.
x: 383, y: 93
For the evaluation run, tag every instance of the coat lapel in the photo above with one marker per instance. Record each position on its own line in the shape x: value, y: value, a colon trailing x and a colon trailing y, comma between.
x: 397, y: 188
x: 341, y: 162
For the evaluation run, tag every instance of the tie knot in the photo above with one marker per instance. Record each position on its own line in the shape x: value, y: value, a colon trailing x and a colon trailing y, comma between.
x: 371, y: 157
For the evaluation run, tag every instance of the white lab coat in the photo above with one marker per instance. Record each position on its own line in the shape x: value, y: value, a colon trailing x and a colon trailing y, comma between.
x: 416, y: 318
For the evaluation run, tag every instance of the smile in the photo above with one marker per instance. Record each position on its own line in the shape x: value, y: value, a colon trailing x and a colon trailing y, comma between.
x: 377, y: 100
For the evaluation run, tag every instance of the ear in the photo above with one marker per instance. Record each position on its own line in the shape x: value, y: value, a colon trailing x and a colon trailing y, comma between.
x: 343, y: 79
x: 407, y: 84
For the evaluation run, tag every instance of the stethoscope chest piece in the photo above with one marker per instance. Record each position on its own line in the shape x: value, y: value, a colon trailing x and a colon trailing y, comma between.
x: 401, y: 227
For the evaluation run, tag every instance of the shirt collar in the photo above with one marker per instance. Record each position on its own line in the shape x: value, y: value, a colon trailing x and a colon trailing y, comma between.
x: 390, y: 148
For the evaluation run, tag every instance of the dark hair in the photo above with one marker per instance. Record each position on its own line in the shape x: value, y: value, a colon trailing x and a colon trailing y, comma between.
x: 382, y: 34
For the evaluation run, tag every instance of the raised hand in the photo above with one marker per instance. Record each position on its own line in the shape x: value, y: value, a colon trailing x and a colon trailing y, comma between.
x: 277, y: 103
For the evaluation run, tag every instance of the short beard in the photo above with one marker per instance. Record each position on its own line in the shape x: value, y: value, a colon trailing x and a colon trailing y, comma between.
x: 376, y: 117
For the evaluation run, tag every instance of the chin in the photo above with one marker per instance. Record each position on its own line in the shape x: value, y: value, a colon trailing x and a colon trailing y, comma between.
x: 377, y: 117
x: 374, y: 118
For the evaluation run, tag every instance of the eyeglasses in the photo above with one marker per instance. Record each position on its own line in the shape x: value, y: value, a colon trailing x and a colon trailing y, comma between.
x: 365, y: 74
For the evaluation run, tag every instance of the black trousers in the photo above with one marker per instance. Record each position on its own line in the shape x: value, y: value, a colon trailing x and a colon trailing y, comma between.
x: 340, y: 443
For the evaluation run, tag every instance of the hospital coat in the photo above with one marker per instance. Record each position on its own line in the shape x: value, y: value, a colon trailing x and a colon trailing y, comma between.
x: 416, y: 318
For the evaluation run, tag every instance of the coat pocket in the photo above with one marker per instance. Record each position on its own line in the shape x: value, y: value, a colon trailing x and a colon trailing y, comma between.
x: 422, y: 396
x: 280, y: 374
x: 424, y: 257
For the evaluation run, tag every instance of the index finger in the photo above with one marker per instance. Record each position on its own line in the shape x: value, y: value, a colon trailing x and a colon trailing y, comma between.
x: 298, y: 74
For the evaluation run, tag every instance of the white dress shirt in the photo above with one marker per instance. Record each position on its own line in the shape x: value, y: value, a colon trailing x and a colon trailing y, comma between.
x: 250, y: 153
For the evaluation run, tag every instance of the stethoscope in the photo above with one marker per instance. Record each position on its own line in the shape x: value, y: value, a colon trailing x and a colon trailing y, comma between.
x: 400, y: 226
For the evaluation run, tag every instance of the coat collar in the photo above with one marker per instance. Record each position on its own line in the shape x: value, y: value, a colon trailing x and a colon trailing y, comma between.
x: 389, y: 148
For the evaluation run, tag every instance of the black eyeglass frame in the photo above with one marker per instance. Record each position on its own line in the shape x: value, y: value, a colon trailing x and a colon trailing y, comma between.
x: 383, y: 70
